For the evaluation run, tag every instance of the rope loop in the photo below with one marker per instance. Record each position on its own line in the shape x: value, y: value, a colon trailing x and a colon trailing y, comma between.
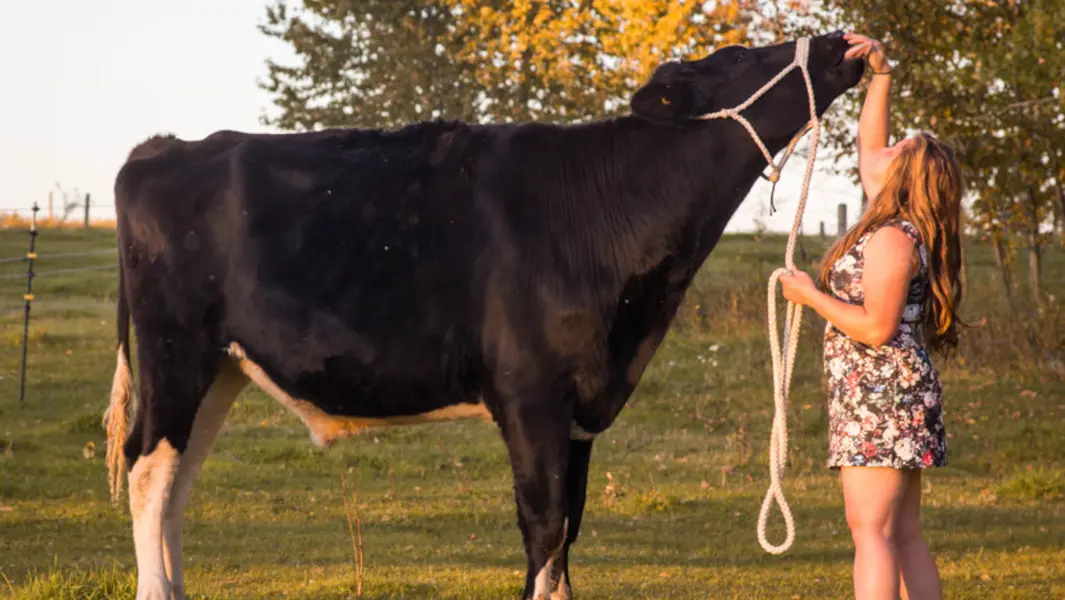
x: 783, y: 357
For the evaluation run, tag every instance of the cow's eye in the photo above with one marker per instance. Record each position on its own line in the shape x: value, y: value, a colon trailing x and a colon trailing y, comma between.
x: 741, y: 56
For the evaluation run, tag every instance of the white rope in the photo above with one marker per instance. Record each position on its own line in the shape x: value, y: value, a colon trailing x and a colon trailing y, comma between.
x: 783, y: 361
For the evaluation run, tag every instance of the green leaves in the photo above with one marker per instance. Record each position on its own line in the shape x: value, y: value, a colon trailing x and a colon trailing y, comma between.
x: 386, y: 63
x: 985, y: 76
x: 366, y: 63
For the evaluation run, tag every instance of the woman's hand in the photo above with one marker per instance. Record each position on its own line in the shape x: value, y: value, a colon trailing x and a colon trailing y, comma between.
x: 869, y: 49
x: 798, y: 287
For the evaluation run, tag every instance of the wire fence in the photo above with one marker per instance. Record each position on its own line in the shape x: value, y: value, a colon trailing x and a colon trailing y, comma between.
x: 66, y: 210
x: 9, y: 310
x: 60, y: 271
x: 54, y: 256
x: 30, y: 258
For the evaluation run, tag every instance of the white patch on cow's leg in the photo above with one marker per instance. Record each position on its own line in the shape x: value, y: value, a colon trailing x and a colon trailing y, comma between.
x: 150, y: 482
x: 542, y: 585
x: 205, y: 428
x: 542, y: 591
x: 562, y: 591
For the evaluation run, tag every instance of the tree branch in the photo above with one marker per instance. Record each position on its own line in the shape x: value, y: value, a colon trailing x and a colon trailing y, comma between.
x: 1026, y: 103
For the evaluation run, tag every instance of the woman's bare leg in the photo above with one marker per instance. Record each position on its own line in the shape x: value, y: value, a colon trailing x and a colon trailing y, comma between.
x: 920, y: 576
x: 873, y: 497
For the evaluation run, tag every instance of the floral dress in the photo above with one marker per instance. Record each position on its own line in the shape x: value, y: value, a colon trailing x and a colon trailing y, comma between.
x: 885, y: 403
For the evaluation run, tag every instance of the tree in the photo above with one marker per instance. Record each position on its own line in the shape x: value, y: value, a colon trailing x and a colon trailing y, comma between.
x: 985, y: 76
x: 382, y: 63
x: 366, y: 63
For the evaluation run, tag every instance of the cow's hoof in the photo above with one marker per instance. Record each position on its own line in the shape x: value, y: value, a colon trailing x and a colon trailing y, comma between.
x: 153, y: 588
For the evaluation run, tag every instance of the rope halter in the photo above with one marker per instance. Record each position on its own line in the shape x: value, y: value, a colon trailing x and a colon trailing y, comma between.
x: 783, y: 361
x: 802, y: 57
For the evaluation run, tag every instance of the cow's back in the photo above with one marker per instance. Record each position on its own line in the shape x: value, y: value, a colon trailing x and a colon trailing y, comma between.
x: 346, y: 263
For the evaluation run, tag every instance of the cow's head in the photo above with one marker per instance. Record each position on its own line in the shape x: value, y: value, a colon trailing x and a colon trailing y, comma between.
x: 680, y: 92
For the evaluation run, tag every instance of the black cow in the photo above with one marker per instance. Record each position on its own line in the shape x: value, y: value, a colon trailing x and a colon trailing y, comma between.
x: 524, y: 273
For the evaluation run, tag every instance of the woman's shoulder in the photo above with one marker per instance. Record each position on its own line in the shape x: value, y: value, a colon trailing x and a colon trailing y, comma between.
x: 905, y: 227
x: 899, y: 235
x: 889, y: 238
x: 891, y: 229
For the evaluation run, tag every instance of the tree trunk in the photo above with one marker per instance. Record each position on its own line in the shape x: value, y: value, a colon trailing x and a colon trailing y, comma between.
x: 1002, y: 260
x: 1059, y: 209
x: 1035, y: 254
x: 1035, y: 267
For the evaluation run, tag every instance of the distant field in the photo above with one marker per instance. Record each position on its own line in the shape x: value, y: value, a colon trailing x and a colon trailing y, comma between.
x: 674, y: 488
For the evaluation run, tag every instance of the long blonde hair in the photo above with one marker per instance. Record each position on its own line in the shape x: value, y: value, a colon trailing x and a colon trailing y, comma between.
x: 924, y: 186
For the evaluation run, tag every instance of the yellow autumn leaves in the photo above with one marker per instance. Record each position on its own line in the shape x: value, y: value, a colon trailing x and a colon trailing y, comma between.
x: 381, y: 63
x: 580, y: 55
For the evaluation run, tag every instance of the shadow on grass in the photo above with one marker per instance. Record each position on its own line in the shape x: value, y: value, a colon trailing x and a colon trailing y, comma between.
x: 704, y: 534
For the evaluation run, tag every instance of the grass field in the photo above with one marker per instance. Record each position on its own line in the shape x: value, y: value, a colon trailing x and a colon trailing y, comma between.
x: 674, y: 488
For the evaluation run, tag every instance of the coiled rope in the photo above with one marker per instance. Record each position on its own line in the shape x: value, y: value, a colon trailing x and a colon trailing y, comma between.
x: 783, y: 360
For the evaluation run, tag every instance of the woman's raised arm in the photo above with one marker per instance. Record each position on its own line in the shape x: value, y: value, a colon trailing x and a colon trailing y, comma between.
x: 874, y: 125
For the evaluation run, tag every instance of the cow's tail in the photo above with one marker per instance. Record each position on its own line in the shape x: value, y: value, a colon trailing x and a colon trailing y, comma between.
x: 123, y: 399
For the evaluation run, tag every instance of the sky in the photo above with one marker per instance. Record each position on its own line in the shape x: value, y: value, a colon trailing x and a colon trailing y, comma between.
x: 86, y: 81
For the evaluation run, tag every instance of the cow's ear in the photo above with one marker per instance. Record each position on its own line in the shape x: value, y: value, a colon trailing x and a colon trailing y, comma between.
x: 663, y: 102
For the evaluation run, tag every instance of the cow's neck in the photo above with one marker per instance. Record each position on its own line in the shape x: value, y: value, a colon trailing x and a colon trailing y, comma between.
x: 721, y: 164
x: 710, y: 169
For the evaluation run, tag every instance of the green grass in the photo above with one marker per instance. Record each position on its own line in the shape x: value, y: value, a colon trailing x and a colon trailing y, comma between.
x: 674, y: 487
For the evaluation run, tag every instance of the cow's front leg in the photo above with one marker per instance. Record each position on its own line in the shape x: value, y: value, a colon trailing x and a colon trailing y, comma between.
x: 580, y: 453
x: 537, y: 438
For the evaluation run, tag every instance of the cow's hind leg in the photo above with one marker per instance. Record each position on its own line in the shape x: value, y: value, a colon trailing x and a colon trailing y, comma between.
x: 580, y: 453
x: 150, y: 481
x: 174, y: 379
x: 210, y: 416
x: 537, y: 438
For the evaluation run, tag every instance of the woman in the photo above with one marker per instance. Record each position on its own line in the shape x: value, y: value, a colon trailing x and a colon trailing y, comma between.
x: 894, y: 292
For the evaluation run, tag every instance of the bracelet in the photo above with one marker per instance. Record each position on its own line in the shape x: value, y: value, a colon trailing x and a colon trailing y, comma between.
x: 888, y: 72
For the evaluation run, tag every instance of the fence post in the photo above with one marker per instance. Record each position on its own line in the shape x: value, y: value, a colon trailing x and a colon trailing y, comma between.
x: 51, y: 214
x: 822, y: 231
x: 88, y: 197
x: 841, y: 219
x: 28, y: 297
